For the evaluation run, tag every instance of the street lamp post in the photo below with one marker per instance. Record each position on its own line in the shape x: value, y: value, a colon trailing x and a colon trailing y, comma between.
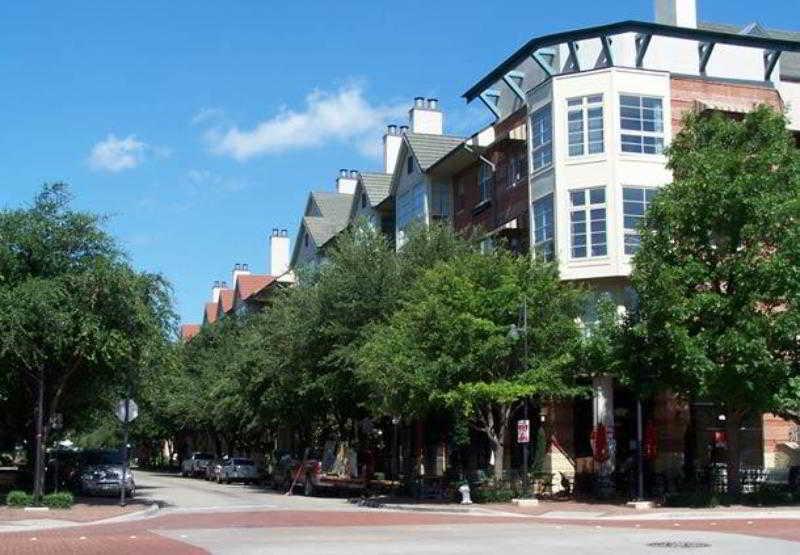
x: 514, y: 333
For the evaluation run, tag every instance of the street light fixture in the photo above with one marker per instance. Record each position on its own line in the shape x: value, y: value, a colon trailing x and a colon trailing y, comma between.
x: 515, y: 333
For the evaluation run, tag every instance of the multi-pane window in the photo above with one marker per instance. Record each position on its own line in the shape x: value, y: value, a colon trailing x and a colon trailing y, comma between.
x: 642, y: 124
x: 585, y: 125
x: 518, y: 169
x: 588, y: 222
x: 485, y: 183
x: 543, y: 228
x: 440, y: 200
x: 542, y: 138
x: 635, y: 201
x: 411, y: 205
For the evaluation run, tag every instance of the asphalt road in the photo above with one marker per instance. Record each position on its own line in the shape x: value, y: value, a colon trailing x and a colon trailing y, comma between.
x: 203, y: 517
x: 171, y: 491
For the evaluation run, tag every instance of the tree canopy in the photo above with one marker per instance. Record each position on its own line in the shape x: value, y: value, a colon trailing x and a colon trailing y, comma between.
x: 717, y: 271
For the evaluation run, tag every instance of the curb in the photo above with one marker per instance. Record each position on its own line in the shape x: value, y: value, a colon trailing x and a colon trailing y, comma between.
x: 445, y: 509
x: 57, y: 524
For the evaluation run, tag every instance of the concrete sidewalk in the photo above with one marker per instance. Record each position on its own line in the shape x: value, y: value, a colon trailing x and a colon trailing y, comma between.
x: 578, y: 511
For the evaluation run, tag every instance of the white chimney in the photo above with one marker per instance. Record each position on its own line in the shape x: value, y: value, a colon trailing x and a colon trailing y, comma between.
x: 426, y: 117
x: 215, y: 290
x: 239, y: 270
x: 346, y: 182
x: 679, y: 13
x: 391, y: 148
x: 278, y: 252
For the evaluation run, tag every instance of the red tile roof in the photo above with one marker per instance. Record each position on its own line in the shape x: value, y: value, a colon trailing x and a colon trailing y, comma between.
x: 225, y: 301
x: 210, y: 313
x: 247, y: 286
x: 189, y: 330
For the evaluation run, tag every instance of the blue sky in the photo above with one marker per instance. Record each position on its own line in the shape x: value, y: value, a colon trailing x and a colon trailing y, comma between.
x: 199, y: 126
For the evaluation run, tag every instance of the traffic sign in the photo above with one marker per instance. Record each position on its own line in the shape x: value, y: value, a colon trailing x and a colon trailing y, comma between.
x: 523, y: 431
x: 133, y: 410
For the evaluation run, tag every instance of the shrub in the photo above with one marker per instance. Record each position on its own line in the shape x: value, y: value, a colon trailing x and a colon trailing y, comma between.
x: 18, y: 498
x: 493, y: 495
x: 61, y: 500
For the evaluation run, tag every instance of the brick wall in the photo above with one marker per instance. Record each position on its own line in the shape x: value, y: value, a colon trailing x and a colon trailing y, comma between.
x: 686, y: 92
x: 781, y: 442
x: 509, y: 196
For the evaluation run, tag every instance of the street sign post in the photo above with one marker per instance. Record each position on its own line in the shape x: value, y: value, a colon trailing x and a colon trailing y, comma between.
x: 126, y: 410
x: 523, y: 431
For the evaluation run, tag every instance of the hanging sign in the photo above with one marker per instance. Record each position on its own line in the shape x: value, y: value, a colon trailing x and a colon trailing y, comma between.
x: 523, y: 431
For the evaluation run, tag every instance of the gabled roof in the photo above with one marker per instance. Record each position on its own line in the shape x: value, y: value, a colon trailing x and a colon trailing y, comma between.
x: 210, y: 313
x: 377, y: 186
x: 225, y: 302
x: 790, y: 61
x: 189, y: 330
x: 249, y: 285
x: 429, y: 149
x: 332, y: 206
x: 321, y: 230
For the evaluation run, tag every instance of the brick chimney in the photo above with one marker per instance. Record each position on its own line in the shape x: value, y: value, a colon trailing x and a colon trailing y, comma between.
x: 426, y: 117
x: 278, y: 252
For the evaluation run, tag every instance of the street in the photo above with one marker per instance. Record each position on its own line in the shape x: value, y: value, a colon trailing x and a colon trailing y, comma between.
x: 204, y: 517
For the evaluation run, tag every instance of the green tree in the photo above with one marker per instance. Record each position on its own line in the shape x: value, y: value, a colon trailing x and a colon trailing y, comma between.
x: 717, y: 273
x: 77, y: 320
x: 449, y: 344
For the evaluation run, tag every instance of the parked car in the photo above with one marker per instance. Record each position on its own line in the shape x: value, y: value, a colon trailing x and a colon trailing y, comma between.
x: 213, y: 469
x: 100, y: 472
x: 238, y: 470
x: 196, y: 464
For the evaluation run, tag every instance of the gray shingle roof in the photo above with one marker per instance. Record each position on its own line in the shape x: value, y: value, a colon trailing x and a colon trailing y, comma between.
x: 377, y: 186
x: 429, y: 149
x: 320, y: 229
x: 790, y: 61
x: 335, y: 210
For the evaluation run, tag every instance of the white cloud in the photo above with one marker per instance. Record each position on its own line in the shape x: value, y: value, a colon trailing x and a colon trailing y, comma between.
x: 343, y: 116
x: 115, y: 155
x: 207, y: 115
x: 205, y: 181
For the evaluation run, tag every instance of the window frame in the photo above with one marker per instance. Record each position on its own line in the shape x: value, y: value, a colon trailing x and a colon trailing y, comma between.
x: 648, y: 196
x: 541, y: 139
x: 544, y: 230
x: 485, y: 183
x: 588, y: 104
x: 657, y: 136
x: 587, y: 219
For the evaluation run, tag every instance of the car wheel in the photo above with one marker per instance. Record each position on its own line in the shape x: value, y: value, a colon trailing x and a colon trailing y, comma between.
x: 308, y: 487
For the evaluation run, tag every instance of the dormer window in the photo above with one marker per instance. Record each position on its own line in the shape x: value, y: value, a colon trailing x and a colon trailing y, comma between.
x: 410, y: 165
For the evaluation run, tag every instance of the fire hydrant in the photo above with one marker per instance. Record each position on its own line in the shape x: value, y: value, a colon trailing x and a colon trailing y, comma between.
x: 465, y: 495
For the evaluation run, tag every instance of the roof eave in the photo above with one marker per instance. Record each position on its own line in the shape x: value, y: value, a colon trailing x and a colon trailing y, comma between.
x: 629, y: 26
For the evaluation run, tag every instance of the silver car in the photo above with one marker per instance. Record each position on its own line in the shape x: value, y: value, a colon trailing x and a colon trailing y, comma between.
x: 237, y: 470
x: 196, y: 464
x: 101, y: 473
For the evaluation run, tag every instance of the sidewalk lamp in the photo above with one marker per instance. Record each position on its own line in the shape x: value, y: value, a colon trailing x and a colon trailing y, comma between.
x: 516, y: 333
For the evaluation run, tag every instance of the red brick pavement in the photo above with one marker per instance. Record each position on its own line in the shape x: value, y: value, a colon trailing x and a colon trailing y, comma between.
x: 117, y: 538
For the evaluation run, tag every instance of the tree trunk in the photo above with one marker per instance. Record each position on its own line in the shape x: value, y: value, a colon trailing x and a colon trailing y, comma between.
x: 733, y: 424
x: 496, y: 427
